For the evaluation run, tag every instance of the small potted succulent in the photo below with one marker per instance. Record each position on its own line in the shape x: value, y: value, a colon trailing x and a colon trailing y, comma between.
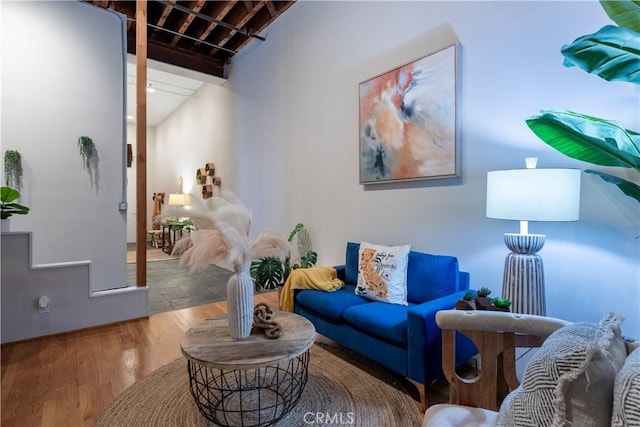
x: 500, y: 304
x: 468, y: 301
x: 483, y: 302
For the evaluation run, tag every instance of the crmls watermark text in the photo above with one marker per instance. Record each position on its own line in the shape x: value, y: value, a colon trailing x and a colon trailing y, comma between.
x: 327, y: 418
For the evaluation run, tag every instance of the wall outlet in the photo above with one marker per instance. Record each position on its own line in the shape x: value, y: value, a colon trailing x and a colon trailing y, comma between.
x: 122, y: 206
x: 43, y: 304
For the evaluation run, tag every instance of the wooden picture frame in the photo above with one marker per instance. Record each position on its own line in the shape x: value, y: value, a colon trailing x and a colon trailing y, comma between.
x: 408, y: 121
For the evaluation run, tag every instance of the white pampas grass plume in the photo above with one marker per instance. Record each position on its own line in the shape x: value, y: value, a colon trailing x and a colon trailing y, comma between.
x: 197, y: 212
x: 207, y: 247
x: 270, y: 243
x: 181, y: 246
x: 222, y: 235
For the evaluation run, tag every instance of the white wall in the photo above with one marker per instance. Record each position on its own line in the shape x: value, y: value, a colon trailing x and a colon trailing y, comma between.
x: 71, y: 305
x: 62, y: 77
x: 296, y: 127
x: 198, y: 132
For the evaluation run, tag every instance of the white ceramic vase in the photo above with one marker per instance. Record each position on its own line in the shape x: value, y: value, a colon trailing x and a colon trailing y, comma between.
x: 6, y: 225
x: 240, y: 303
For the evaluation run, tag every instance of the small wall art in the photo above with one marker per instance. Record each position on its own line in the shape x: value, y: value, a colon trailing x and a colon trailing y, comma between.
x: 207, y: 174
x: 408, y: 121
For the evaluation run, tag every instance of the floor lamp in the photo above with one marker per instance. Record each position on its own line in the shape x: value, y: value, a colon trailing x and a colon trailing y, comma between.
x: 530, y: 195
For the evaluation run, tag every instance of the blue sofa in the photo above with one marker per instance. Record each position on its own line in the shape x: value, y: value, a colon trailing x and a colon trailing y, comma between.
x: 404, y: 339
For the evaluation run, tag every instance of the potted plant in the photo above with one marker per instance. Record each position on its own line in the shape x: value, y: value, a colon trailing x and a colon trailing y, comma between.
x: 272, y: 272
x: 483, y: 302
x: 467, y: 302
x: 181, y: 224
x: 612, y: 54
x: 13, y: 169
x: 8, y: 207
x: 500, y: 304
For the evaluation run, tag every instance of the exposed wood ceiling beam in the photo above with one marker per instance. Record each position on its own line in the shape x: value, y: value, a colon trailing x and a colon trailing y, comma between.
x: 165, y: 14
x: 210, y: 19
x: 238, y: 20
x: 218, y: 17
x: 174, y: 56
x: 259, y: 24
x: 271, y: 8
x: 188, y: 19
x: 198, y: 34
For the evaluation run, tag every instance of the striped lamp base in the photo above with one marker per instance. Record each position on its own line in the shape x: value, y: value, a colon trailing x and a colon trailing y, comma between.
x: 523, y: 280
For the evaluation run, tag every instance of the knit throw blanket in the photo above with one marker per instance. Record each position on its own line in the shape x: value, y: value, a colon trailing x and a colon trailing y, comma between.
x: 320, y: 278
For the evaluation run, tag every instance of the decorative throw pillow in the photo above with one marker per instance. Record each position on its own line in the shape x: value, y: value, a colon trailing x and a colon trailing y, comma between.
x: 382, y: 272
x: 569, y: 381
x: 626, y: 393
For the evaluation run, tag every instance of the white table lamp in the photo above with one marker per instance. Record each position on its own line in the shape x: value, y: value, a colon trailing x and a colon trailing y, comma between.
x: 530, y: 195
x: 177, y: 199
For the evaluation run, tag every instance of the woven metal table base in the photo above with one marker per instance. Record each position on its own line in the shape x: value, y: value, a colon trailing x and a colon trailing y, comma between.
x: 248, y: 397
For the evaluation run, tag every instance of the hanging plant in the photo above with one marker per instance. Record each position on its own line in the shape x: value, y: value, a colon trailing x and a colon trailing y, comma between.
x: 85, y: 144
x: 89, y: 155
x: 13, y: 169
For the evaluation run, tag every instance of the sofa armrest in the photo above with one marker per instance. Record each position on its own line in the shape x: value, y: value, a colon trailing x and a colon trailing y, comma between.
x: 425, y: 339
x: 463, y: 281
x: 340, y: 269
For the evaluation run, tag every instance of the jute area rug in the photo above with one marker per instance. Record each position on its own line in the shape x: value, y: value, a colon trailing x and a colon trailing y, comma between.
x: 343, y: 389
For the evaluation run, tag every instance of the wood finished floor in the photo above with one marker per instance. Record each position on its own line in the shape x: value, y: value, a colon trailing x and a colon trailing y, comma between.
x: 68, y: 379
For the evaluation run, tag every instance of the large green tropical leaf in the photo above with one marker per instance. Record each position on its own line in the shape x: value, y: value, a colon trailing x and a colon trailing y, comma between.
x: 612, y: 53
x: 299, y: 226
x: 8, y: 209
x: 270, y: 272
x: 627, y: 187
x: 587, y: 138
x: 267, y: 273
x: 309, y: 260
x: 8, y: 194
x: 625, y: 13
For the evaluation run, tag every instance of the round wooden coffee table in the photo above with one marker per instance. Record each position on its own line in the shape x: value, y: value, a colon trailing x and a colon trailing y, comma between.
x: 250, y: 382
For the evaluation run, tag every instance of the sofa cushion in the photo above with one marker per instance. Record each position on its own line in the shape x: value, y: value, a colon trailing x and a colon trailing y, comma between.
x: 330, y: 304
x: 626, y: 393
x: 431, y: 276
x: 569, y: 381
x: 382, y: 273
x: 387, y: 322
x: 351, y: 263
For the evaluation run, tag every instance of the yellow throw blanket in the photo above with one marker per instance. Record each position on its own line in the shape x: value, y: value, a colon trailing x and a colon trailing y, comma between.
x: 322, y: 278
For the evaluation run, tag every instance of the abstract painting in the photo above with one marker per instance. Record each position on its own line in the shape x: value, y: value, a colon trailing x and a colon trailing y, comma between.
x: 408, y: 121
